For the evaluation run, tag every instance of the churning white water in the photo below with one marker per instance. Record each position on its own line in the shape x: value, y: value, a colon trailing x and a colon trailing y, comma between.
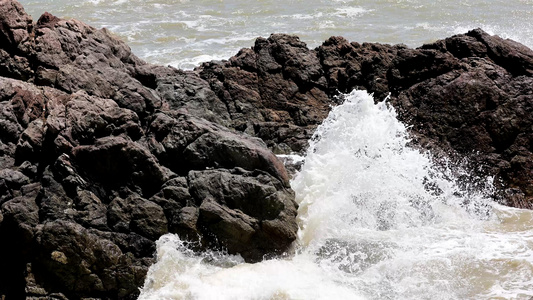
x: 378, y: 220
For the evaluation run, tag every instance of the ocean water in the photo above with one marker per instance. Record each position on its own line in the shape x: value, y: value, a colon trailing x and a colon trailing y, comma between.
x: 377, y: 219
x: 183, y: 33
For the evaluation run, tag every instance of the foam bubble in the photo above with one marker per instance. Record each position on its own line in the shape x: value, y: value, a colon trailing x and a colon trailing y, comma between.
x: 350, y: 12
x: 182, y: 274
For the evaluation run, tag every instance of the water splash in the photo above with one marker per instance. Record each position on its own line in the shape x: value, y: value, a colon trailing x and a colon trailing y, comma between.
x: 378, y: 220
x: 360, y: 172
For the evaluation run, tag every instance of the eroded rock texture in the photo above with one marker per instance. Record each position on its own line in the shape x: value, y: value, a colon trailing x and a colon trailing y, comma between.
x: 468, y: 96
x: 102, y: 153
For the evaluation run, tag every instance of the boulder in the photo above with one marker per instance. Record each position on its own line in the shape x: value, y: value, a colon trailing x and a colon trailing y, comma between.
x: 79, y: 262
x: 248, y: 211
x: 275, y: 91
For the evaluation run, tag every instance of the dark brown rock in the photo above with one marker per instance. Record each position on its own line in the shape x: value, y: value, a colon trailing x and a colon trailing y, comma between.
x: 183, y: 142
x: 79, y: 262
x: 247, y: 212
x: 96, y: 153
x: 466, y: 96
x: 102, y: 153
x: 276, y: 84
x: 15, y: 25
x: 478, y: 109
x: 18, y: 228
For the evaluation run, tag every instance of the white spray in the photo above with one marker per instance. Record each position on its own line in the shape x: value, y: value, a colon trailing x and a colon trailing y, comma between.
x: 377, y: 221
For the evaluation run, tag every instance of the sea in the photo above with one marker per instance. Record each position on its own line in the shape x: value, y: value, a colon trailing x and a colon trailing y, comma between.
x: 377, y: 219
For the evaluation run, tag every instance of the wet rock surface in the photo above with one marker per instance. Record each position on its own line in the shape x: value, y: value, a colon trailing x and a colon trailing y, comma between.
x: 466, y: 98
x: 102, y: 153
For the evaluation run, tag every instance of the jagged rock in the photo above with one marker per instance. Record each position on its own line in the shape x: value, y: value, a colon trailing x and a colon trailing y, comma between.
x: 102, y: 153
x: 17, y: 230
x: 115, y: 162
x: 73, y: 56
x: 83, y: 263
x: 277, y: 86
x: 15, y: 35
x: 466, y: 96
x: 188, y: 143
x: 480, y: 108
x: 13, y: 179
x: 247, y: 212
x: 184, y: 90
x: 138, y: 215
x: 97, y: 152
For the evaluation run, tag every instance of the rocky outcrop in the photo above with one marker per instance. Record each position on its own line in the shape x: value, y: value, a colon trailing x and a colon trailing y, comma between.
x: 277, y: 91
x: 468, y: 96
x: 102, y: 153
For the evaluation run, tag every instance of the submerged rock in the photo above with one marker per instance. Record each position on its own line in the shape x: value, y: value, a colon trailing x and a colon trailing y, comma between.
x: 102, y: 153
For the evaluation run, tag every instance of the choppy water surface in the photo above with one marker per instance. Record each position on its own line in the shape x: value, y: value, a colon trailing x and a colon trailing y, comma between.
x: 377, y: 221
x: 185, y: 32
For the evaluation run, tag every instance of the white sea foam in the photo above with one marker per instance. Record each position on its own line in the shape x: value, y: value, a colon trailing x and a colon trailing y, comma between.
x: 377, y: 221
x: 350, y: 11
x: 182, y: 274
x: 189, y: 64
x: 294, y: 158
x: 306, y: 16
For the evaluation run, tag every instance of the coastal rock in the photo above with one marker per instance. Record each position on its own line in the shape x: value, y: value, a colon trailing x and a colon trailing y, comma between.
x: 80, y: 262
x: 102, y: 153
x: 466, y: 98
x: 275, y: 91
x: 184, y: 143
x: 481, y: 109
x: 247, y: 210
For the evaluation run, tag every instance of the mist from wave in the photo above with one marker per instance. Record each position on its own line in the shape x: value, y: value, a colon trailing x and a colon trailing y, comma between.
x: 378, y: 220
